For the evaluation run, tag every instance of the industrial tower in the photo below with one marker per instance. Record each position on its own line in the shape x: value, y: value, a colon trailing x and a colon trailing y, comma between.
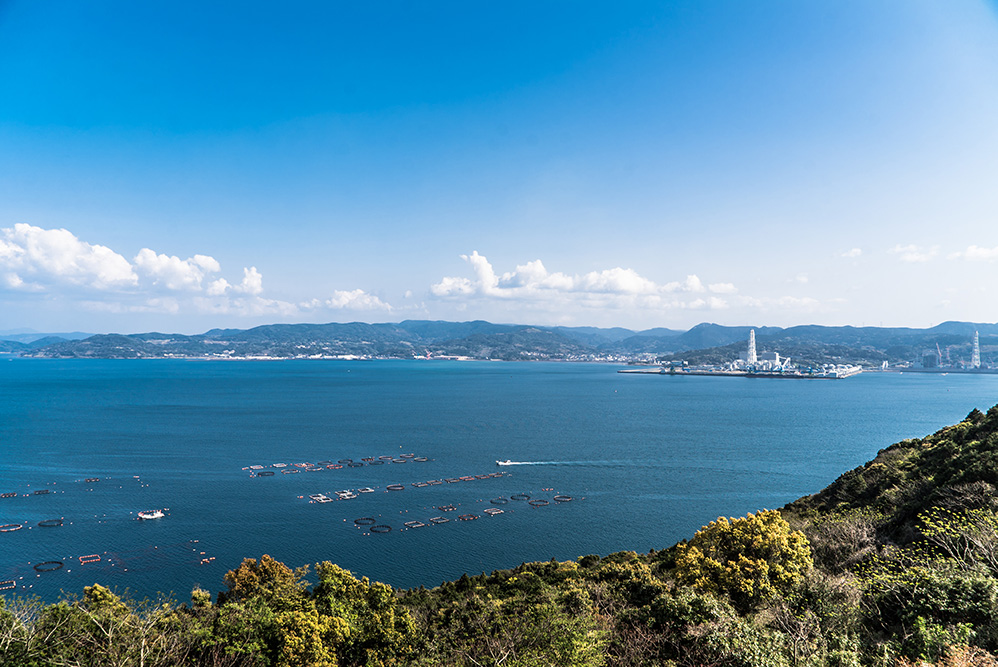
x: 975, y: 356
x: 750, y: 357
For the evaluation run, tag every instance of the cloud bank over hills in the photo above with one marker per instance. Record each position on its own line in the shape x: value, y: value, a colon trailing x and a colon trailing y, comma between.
x: 84, y: 281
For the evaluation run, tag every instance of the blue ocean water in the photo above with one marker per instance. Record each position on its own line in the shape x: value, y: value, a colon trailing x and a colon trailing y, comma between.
x: 646, y: 459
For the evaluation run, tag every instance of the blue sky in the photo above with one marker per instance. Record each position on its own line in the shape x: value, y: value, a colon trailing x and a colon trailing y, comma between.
x: 179, y: 166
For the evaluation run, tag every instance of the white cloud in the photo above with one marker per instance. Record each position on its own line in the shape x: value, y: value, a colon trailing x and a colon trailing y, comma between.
x: 609, y: 288
x: 914, y: 253
x: 217, y: 287
x: 52, y: 260
x: 691, y: 284
x: 976, y: 254
x: 621, y: 281
x: 853, y: 253
x: 356, y: 299
x: 452, y: 287
x: 174, y: 273
x: 32, y: 256
x: 252, y: 282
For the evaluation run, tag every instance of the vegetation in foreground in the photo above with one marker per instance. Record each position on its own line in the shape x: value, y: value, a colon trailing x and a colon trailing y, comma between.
x: 896, y: 563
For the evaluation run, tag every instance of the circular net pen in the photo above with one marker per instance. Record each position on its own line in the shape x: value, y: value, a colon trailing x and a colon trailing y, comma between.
x: 520, y: 496
x: 265, y: 473
x: 499, y: 501
x: 563, y: 499
x: 365, y: 521
x: 10, y: 527
x: 539, y: 502
x: 48, y: 566
x: 380, y: 529
x: 50, y: 523
x: 395, y: 487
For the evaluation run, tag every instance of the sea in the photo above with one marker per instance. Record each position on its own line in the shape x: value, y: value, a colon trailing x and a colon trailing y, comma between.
x: 602, y: 462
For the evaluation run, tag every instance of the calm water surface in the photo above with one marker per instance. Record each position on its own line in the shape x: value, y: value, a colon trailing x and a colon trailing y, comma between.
x: 646, y: 459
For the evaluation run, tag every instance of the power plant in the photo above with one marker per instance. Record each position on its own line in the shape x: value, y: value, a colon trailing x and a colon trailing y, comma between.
x: 938, y: 359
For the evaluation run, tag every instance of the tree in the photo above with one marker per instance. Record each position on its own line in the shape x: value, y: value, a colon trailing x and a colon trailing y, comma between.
x: 366, y: 622
x: 282, y: 588
x: 750, y: 559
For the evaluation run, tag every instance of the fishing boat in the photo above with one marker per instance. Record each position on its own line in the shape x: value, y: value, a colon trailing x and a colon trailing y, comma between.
x: 151, y: 514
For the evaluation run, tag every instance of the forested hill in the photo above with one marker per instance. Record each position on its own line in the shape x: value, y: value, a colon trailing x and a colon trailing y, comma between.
x: 704, y: 343
x: 895, y: 564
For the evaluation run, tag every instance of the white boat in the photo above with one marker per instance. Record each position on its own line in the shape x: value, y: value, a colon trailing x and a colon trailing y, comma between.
x: 507, y: 462
x: 151, y: 514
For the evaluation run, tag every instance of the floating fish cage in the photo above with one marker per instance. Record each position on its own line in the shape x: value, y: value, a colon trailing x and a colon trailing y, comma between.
x: 49, y: 566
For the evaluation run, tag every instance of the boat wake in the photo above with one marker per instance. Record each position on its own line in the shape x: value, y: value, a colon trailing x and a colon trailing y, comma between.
x: 629, y: 464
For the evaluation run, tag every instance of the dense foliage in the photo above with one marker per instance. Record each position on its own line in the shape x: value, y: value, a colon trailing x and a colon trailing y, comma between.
x: 896, y: 563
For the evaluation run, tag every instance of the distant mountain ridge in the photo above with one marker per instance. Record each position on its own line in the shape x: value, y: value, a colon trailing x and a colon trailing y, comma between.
x: 478, y: 339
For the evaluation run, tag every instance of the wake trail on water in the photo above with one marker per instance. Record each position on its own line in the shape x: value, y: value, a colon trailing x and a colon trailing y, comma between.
x: 602, y: 464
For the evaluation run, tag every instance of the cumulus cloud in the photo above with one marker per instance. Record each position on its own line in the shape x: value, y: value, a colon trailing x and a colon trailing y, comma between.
x: 32, y: 257
x: 531, y: 286
x: 252, y: 282
x: 174, y: 273
x: 975, y: 253
x: 217, y: 287
x: 691, y: 284
x: 853, y: 253
x: 356, y: 299
x: 56, y: 262
x: 914, y: 253
x: 607, y: 288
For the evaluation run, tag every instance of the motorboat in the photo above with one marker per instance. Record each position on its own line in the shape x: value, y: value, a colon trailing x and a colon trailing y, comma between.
x: 507, y: 462
x: 151, y: 514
